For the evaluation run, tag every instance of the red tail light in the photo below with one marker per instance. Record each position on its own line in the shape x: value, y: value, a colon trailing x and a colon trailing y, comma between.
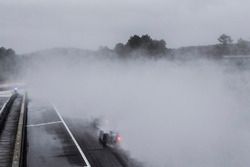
x: 118, y: 138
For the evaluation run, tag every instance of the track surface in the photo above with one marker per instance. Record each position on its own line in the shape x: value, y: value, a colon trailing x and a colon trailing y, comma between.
x: 97, y: 155
x: 50, y: 144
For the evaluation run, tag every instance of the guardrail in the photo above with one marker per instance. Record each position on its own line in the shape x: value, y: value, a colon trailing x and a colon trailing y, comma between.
x: 5, y: 110
x: 19, y: 153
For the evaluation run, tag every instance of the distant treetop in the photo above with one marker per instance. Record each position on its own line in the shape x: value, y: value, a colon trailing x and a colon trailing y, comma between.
x: 6, y: 52
x: 225, y: 39
x: 143, y: 44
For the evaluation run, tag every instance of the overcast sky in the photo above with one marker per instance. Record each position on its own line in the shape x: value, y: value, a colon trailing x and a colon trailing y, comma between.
x: 29, y: 25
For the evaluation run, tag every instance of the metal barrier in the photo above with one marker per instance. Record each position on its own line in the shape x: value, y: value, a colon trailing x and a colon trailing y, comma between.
x: 19, y: 153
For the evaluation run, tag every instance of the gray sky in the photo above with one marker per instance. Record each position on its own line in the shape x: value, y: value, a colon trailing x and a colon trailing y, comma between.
x: 29, y: 25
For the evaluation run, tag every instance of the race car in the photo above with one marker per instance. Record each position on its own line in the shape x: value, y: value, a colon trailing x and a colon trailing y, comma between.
x: 110, y: 138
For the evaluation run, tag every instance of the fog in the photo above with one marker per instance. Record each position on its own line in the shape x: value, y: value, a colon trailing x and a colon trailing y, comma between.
x: 29, y: 25
x: 169, y: 113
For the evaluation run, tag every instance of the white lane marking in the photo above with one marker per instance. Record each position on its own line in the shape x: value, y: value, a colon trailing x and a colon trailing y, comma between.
x: 73, y: 138
x: 4, y: 105
x: 43, y: 124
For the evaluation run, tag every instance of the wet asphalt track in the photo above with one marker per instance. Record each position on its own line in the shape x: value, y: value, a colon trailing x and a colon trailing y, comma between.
x: 50, y: 144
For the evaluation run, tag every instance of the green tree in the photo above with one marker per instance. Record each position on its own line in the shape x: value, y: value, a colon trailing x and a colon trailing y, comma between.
x: 134, y: 42
x: 225, y: 47
x: 144, y: 44
x: 225, y: 39
x: 243, y: 46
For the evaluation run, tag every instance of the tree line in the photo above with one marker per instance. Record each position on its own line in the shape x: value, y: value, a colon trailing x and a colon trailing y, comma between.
x: 8, y: 63
x: 137, y: 45
x: 146, y: 46
x: 227, y: 47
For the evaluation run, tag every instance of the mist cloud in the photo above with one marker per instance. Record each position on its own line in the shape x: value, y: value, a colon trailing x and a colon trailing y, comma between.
x: 169, y: 113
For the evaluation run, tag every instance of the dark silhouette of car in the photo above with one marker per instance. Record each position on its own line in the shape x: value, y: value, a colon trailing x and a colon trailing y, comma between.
x: 110, y: 138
